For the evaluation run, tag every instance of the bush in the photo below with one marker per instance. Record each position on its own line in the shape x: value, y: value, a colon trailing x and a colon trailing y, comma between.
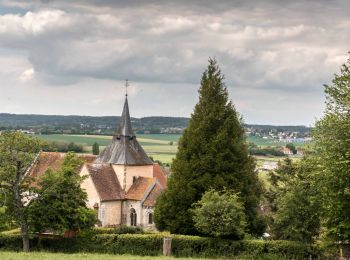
x: 151, y: 245
x: 119, y: 230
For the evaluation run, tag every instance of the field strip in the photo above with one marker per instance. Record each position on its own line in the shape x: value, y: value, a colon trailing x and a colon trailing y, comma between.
x: 108, y: 137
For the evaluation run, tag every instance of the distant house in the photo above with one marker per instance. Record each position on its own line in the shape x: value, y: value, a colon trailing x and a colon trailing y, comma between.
x: 286, y: 151
x: 122, y: 183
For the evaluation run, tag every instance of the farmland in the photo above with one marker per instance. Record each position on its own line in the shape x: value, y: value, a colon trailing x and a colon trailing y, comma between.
x: 158, y: 146
x: 162, y: 147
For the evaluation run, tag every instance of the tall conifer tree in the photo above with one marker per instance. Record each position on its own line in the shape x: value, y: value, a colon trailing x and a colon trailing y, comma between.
x: 212, y: 155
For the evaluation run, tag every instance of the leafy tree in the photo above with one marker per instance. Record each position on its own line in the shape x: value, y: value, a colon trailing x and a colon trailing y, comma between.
x: 297, y: 207
x: 17, y: 152
x: 291, y: 147
x: 220, y: 215
x: 332, y: 135
x: 212, y: 154
x: 95, y: 149
x: 60, y: 202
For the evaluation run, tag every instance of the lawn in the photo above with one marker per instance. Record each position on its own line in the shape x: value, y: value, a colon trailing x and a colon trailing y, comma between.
x: 58, y: 256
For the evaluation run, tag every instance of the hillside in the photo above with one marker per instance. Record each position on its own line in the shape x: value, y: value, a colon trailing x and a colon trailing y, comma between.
x: 51, y: 124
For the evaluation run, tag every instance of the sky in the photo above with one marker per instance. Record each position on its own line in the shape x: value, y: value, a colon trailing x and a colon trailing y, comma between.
x: 72, y: 57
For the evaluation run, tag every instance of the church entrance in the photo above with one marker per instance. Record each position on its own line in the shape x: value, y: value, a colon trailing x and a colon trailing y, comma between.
x: 133, y: 217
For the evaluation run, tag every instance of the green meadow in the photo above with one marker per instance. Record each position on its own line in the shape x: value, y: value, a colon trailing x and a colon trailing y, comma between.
x: 162, y: 147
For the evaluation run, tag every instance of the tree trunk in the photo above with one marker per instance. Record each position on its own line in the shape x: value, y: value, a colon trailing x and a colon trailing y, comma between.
x: 25, y: 237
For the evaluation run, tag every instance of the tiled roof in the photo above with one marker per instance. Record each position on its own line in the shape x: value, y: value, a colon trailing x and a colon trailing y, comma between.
x: 153, y: 195
x: 159, y: 173
x: 105, y: 181
x: 139, y: 188
x: 52, y: 160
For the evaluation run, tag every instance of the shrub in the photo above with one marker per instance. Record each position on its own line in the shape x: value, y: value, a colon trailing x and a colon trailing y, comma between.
x: 151, y: 245
x: 220, y: 215
x: 120, y: 230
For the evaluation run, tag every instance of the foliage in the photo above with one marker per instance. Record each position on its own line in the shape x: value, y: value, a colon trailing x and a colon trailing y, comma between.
x: 212, y: 154
x: 17, y: 152
x: 182, y: 246
x: 253, y: 149
x: 60, y: 202
x: 119, y: 230
x: 332, y: 141
x: 63, y: 147
x: 294, y: 201
x: 95, y: 149
x: 220, y: 215
x: 291, y: 147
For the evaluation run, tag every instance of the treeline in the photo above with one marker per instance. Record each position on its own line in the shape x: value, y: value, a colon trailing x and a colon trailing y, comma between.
x: 56, y: 124
x: 62, y: 147
x: 253, y: 149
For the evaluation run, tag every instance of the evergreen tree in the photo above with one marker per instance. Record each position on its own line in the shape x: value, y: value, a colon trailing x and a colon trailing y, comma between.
x: 332, y: 139
x: 212, y: 155
x: 95, y: 149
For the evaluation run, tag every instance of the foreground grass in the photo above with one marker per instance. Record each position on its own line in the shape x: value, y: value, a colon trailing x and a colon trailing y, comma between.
x: 58, y: 256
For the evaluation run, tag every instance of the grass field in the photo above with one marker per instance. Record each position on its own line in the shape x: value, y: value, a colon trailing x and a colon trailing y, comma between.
x: 58, y: 256
x: 156, y: 145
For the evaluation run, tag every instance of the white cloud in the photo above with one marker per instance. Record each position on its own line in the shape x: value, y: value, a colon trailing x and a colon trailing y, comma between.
x: 81, y: 49
x: 26, y: 75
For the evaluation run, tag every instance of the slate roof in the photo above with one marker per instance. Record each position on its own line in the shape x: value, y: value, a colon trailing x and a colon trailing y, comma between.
x: 124, y: 148
x: 105, y: 181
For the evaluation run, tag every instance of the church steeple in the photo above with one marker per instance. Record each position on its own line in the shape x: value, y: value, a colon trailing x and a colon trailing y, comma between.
x: 124, y: 127
x: 124, y: 149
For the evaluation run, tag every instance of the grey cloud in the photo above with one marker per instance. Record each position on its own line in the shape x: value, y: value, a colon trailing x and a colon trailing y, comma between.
x: 276, y: 47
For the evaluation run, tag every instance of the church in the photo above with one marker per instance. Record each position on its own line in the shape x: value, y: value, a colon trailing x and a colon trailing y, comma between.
x: 122, y: 183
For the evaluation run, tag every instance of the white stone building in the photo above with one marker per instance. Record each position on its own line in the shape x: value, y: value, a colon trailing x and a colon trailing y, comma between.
x: 122, y: 183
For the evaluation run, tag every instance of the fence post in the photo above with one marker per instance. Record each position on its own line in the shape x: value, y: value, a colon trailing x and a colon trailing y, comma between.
x: 167, y: 246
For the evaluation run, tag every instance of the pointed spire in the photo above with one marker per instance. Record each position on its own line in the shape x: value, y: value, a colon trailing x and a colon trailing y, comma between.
x: 124, y: 148
x: 124, y: 127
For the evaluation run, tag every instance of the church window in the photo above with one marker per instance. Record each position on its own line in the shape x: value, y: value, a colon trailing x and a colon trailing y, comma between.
x: 150, y: 218
x: 133, y: 217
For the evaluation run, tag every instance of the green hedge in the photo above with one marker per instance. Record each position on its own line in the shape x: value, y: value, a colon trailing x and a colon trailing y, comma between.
x: 151, y: 244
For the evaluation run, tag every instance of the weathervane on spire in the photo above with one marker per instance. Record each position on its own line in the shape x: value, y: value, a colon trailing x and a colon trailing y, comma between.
x: 126, y: 87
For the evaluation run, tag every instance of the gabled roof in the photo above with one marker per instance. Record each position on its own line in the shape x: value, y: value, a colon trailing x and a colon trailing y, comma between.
x: 53, y: 160
x: 124, y: 148
x: 105, y: 181
x: 150, y: 201
x: 139, y: 188
x: 159, y: 173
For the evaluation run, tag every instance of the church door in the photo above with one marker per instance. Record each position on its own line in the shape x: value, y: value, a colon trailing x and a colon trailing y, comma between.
x: 133, y: 217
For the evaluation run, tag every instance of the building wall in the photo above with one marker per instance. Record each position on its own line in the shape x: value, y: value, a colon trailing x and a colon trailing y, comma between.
x: 89, y: 188
x: 131, y: 171
x: 129, y: 204
x: 145, y: 212
x: 110, y: 213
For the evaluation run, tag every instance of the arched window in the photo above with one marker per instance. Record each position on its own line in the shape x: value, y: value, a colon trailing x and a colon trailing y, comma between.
x: 150, y: 218
x: 133, y: 217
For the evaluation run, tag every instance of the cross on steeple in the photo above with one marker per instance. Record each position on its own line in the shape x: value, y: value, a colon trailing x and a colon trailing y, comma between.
x: 126, y: 87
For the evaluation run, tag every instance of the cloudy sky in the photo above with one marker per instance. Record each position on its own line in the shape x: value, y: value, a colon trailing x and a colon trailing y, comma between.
x: 71, y: 57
